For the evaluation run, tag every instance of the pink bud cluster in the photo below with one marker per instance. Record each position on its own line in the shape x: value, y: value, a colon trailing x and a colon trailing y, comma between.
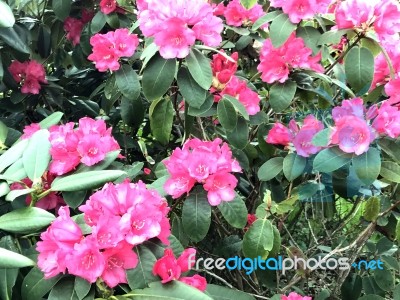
x: 301, y: 9
x: 30, y: 74
x: 109, y: 6
x: 355, y: 128
x: 110, y: 47
x: 277, y: 63
x: 237, y: 15
x: 88, y: 144
x: 170, y: 268
x: 120, y: 216
x: 207, y: 163
x: 186, y: 21
x: 226, y: 83
x: 73, y: 26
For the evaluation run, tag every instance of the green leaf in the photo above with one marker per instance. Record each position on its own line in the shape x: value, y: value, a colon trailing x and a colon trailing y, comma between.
x: 141, y: 276
x: 10, y: 259
x: 81, y: 287
x: 193, y: 93
x: 12, y: 195
x: 384, y: 279
x: 331, y: 159
x: 259, y: 239
x: 368, y: 165
x: 310, y: 35
x: 391, y: 148
x: 84, y: 181
x: 132, y: 111
x: 371, y: 297
x: 332, y: 37
x: 200, y: 68
x: 158, y: 76
x: 359, y: 69
x: 26, y: 220
x: 105, y: 163
x: 196, y: 215
x: 98, y: 22
x: 74, y: 199
x: 281, y: 95
x: 4, y: 189
x: 174, y: 290
x: 227, y: 114
x: 293, y: 166
x: 390, y: 171
x: 8, y: 276
x: 128, y: 82
x: 234, y: 212
x: 192, y: 111
x: 51, y: 120
x: 35, y: 286
x: 398, y: 231
x: 248, y: 3
x: 14, y: 40
x: 372, y: 209
x: 238, y: 106
x: 280, y: 30
x: 64, y: 289
x: 61, y: 8
x: 161, y: 115
x: 265, y: 19
x: 218, y: 292
x: 13, y: 154
x: 270, y: 169
x: 3, y: 132
x: 15, y: 172
x: 7, y: 17
x: 238, y: 137
x: 321, y: 139
x: 37, y: 156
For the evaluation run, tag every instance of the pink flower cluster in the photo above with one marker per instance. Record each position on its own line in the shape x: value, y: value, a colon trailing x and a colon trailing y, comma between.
x: 121, y: 216
x: 110, y: 47
x: 226, y: 83
x: 295, y: 296
x: 382, y: 15
x: 302, y: 9
x: 50, y: 201
x: 170, y: 268
x: 301, y: 138
x: 237, y: 15
x: 88, y: 144
x: 208, y: 163
x: 30, y: 74
x: 186, y: 20
x: 276, y: 63
x: 73, y: 27
x: 355, y: 128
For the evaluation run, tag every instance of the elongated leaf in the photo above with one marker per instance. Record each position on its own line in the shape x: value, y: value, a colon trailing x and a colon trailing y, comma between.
x: 81, y: 287
x: 227, y: 114
x: 384, y: 279
x: 293, y: 166
x: 331, y: 159
x: 26, y: 220
x: 248, y: 3
x: 13, y: 154
x: 12, y: 195
x: 141, y: 276
x: 270, y: 169
x: 161, y: 119
x: 265, y: 19
x: 238, y: 106
x: 7, y: 17
x: 239, y: 136
x: 359, y: 68
x: 372, y: 208
x: 61, y: 8
x: 158, y: 76
x: 196, y: 215
x: 218, y: 292
x: 234, y: 212
x: 310, y: 35
x: 259, y: 239
x: 108, y: 160
x: 35, y: 286
x: 280, y: 30
x: 200, y: 68
x: 11, y: 37
x: 8, y: 276
x: 128, y: 82
x: 37, y: 156
x: 84, y: 181
x: 132, y: 111
x: 16, y: 171
x: 332, y: 37
x: 368, y: 165
x: 193, y: 93
x: 390, y: 171
x: 51, y: 120
x: 10, y: 259
x: 281, y: 95
x: 64, y: 289
x: 4, y: 189
x: 192, y: 111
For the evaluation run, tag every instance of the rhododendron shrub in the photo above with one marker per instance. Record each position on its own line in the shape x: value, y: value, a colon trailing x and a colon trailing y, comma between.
x: 179, y: 148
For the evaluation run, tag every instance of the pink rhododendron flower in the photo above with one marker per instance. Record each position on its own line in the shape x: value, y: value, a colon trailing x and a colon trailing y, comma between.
x: 280, y: 135
x: 302, y: 140
x: 196, y: 281
x: 223, y: 69
x: 352, y: 107
x: 88, y: 144
x: 237, y: 15
x: 295, y: 296
x: 276, y: 63
x: 30, y: 130
x: 301, y: 9
x: 387, y: 121
x: 30, y: 74
x: 208, y: 163
x: 73, y: 27
x: 187, y: 21
x: 108, y: 6
x: 110, y: 47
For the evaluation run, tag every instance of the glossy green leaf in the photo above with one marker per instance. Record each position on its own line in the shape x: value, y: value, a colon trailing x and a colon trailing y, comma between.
x: 239, y: 136
x: 200, y: 68
x: 310, y: 36
x: 390, y: 171
x: 13, y: 154
x: 332, y: 36
x: 161, y: 119
x: 128, y: 82
x: 8, y: 276
x: 234, y: 212
x: 331, y: 159
x: 10, y: 259
x: 227, y: 114
x: 141, y: 276
x: 238, y: 106
x: 248, y: 3
x: 192, y: 111
x: 281, y: 95
x: 192, y: 92
x: 7, y: 17
x: 81, y: 287
x: 372, y: 208
x: 270, y: 169
x: 265, y: 19
x: 196, y: 215
x: 132, y: 111
x: 259, y: 239
x: 64, y: 289
x: 293, y: 166
x: 61, y: 8
x: 368, y: 165
x: 384, y: 279
x: 12, y: 38
x: 35, y: 286
x: 359, y: 68
x: 280, y: 30
x: 12, y: 195
x: 218, y: 292
x: 84, y: 181
x: 51, y: 120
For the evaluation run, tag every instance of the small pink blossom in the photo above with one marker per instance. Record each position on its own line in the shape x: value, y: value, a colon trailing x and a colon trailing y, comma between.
x: 301, y: 9
x: 166, y: 267
x: 30, y: 130
x: 237, y: 15
x: 73, y: 27
x: 30, y: 74
x: 279, y: 135
x: 295, y: 296
x: 196, y: 281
